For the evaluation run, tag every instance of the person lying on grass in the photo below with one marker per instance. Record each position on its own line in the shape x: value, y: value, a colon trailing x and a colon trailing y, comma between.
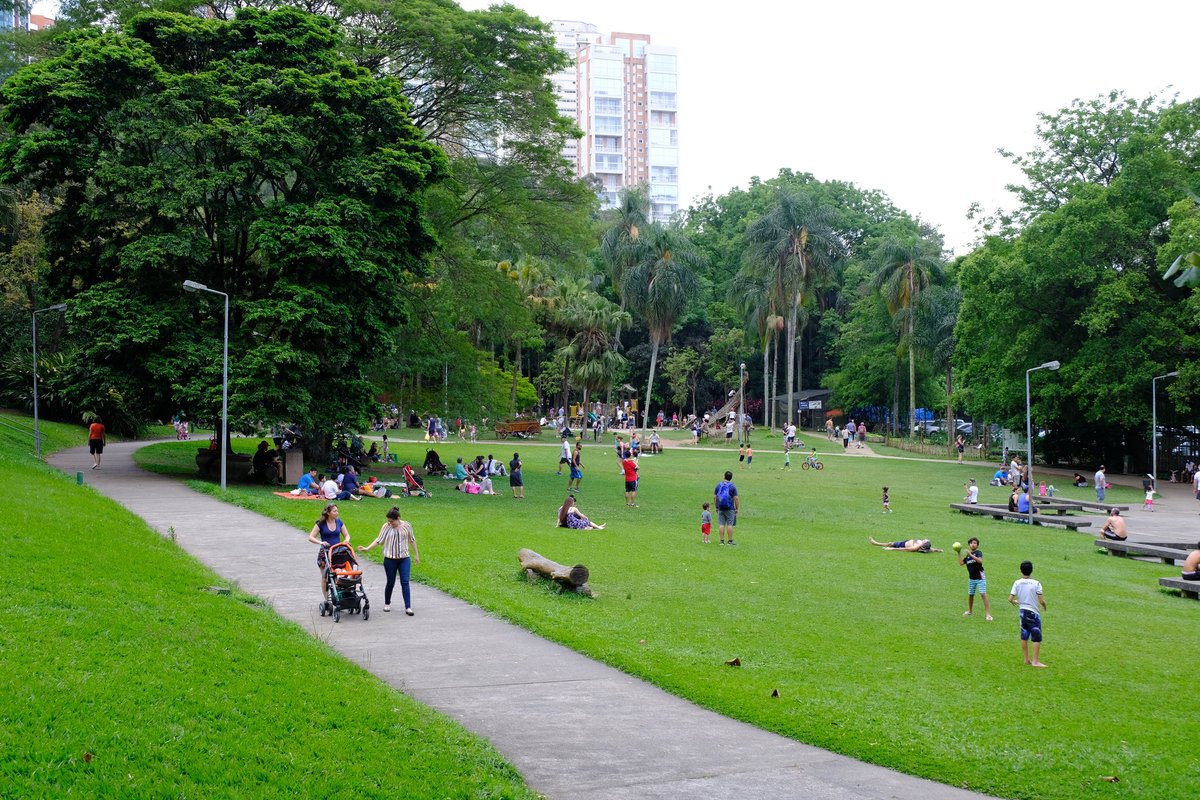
x: 909, y: 546
x: 569, y: 516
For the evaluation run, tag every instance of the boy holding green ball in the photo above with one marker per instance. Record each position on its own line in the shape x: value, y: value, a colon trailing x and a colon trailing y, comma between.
x: 976, y: 580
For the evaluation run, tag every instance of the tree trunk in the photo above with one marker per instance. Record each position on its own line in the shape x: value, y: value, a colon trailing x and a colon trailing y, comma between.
x: 953, y: 433
x: 912, y: 382
x: 775, y: 385
x: 896, y: 399
x: 572, y: 579
x: 650, y: 383
x: 800, y: 361
x: 766, y: 381
x: 516, y: 372
x: 793, y: 313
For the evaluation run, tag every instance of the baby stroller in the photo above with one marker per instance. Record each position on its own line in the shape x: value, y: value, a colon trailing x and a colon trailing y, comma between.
x: 344, y: 580
x: 433, y: 463
x: 413, y: 487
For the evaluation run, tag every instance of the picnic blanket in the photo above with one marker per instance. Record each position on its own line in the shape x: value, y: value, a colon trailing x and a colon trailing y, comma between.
x: 290, y: 496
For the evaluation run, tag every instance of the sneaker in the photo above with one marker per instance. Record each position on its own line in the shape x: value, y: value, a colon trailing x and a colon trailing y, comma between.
x: 408, y: 611
x: 731, y: 541
x: 968, y: 613
x: 988, y: 618
x: 387, y: 608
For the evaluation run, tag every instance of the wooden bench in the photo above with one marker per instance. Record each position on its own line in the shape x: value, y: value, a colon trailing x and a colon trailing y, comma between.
x: 1002, y: 512
x: 1166, y: 552
x: 1190, y: 589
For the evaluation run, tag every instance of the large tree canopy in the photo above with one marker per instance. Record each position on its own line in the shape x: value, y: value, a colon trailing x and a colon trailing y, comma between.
x: 248, y: 155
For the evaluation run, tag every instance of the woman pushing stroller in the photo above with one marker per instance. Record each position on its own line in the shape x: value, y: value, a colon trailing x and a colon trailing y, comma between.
x: 328, y: 531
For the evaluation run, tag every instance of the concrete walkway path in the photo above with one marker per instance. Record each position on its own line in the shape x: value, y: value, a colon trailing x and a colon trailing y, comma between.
x: 610, y: 736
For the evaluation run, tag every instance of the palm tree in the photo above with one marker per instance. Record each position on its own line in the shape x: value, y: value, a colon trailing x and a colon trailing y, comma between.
x: 597, y: 324
x: 750, y: 294
x: 622, y: 242
x: 793, y: 244
x: 658, y: 286
x: 937, y: 317
x: 903, y: 271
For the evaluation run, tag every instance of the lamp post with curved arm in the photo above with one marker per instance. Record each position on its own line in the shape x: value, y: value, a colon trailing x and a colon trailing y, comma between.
x: 1154, y: 422
x: 193, y: 286
x: 1050, y: 365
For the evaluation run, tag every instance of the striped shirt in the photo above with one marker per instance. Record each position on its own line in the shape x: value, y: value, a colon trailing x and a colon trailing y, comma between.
x: 395, y: 541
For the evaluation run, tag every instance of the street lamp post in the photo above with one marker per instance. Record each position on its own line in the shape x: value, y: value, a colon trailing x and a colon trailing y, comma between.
x: 37, y: 431
x: 1050, y: 365
x: 742, y: 404
x: 1154, y: 422
x: 193, y: 286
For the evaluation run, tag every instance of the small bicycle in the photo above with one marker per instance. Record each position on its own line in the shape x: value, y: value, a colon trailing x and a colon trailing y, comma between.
x: 811, y: 462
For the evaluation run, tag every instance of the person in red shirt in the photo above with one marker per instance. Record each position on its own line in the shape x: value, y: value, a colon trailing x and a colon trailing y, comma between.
x: 630, y: 468
x: 96, y: 440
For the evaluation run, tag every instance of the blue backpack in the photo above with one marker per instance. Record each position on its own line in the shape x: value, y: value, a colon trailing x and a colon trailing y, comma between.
x: 724, y: 496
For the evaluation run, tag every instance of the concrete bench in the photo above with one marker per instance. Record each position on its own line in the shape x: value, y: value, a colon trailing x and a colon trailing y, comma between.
x: 1087, y: 505
x: 237, y: 466
x: 1189, y: 589
x: 1060, y: 507
x: 1002, y: 512
x: 1166, y: 552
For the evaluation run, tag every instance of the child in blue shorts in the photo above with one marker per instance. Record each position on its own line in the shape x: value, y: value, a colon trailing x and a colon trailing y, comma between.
x: 1027, y: 596
x: 976, y: 579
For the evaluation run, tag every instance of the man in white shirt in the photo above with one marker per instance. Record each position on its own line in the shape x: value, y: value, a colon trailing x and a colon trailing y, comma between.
x: 1101, y: 484
x: 791, y: 435
x: 564, y: 456
x: 329, y: 489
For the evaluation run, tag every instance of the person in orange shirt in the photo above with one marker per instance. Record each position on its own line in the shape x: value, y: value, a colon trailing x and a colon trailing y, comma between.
x: 96, y: 439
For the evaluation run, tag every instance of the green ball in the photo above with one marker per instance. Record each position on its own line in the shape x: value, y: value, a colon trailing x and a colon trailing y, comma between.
x: 957, y: 546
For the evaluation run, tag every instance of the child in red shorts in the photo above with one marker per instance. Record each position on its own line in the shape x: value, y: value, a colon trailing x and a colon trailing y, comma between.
x: 705, y: 523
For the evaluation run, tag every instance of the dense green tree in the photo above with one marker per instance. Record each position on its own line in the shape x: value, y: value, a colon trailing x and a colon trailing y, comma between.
x: 248, y: 155
x: 621, y: 244
x: 682, y: 368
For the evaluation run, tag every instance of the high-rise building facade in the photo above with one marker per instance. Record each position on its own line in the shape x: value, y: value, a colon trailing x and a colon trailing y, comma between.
x: 623, y: 95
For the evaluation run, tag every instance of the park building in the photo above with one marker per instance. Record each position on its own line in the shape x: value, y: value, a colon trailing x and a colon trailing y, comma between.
x: 622, y: 92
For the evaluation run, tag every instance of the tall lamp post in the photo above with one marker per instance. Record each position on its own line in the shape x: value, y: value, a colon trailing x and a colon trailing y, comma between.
x: 193, y: 286
x: 1154, y: 422
x: 1050, y: 365
x: 37, y: 431
x: 742, y: 404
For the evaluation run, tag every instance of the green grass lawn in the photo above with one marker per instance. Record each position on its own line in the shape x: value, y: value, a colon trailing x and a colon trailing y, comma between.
x: 120, y: 676
x: 868, y: 649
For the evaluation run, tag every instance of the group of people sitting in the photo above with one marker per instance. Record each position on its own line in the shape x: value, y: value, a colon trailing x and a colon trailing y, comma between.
x: 475, y: 476
x: 346, y: 484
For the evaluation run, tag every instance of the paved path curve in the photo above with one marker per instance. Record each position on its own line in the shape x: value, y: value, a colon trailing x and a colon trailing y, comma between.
x: 611, y: 736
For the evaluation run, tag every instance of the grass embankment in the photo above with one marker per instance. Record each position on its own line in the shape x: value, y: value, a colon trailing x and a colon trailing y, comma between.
x: 121, y: 677
x: 868, y: 649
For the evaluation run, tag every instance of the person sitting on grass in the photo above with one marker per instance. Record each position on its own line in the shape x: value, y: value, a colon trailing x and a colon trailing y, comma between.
x: 1079, y: 481
x: 1191, y: 566
x: 569, y: 516
x: 459, y: 474
x: 310, y: 483
x: 1114, y: 526
x: 909, y: 546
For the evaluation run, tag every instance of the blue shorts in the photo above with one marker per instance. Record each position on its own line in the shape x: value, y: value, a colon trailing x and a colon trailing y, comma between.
x: 576, y: 474
x: 1031, y: 626
x: 974, y: 586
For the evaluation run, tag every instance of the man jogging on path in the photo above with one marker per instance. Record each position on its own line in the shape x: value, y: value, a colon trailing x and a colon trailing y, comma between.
x: 725, y: 498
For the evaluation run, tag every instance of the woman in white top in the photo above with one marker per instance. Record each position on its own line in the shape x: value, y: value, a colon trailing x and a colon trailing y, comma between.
x: 398, y: 541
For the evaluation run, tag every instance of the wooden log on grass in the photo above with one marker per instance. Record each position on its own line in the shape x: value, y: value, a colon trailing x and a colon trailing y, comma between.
x: 572, y: 579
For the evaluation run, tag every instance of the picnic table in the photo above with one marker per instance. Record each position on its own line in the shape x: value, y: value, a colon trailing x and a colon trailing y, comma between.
x: 1167, y: 552
x: 522, y: 429
x: 1190, y: 589
x: 1002, y: 512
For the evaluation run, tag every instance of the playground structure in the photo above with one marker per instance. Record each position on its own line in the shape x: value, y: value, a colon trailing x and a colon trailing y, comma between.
x: 715, y: 428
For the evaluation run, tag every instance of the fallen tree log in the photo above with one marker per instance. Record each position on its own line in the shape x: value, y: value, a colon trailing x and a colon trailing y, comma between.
x: 571, y: 579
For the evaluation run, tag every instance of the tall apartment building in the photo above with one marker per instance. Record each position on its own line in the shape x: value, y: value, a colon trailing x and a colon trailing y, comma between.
x: 15, y: 18
x: 623, y: 94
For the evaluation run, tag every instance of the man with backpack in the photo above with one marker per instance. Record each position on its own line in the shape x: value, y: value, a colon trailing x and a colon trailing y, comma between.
x: 725, y: 498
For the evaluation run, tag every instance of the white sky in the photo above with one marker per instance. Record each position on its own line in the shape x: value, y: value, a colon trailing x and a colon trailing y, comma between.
x: 909, y: 98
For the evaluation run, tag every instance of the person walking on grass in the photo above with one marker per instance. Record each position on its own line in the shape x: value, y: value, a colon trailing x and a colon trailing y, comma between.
x: 725, y: 497
x: 1101, y: 483
x: 1027, y: 596
x: 564, y: 457
x: 749, y: 456
x: 514, y: 477
x: 576, y: 468
x: 398, y: 542
x: 629, y: 469
x: 97, y: 436
x: 976, y: 579
x: 887, y: 501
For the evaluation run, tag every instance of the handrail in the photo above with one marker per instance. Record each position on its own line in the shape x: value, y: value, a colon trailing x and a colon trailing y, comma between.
x: 26, y: 431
